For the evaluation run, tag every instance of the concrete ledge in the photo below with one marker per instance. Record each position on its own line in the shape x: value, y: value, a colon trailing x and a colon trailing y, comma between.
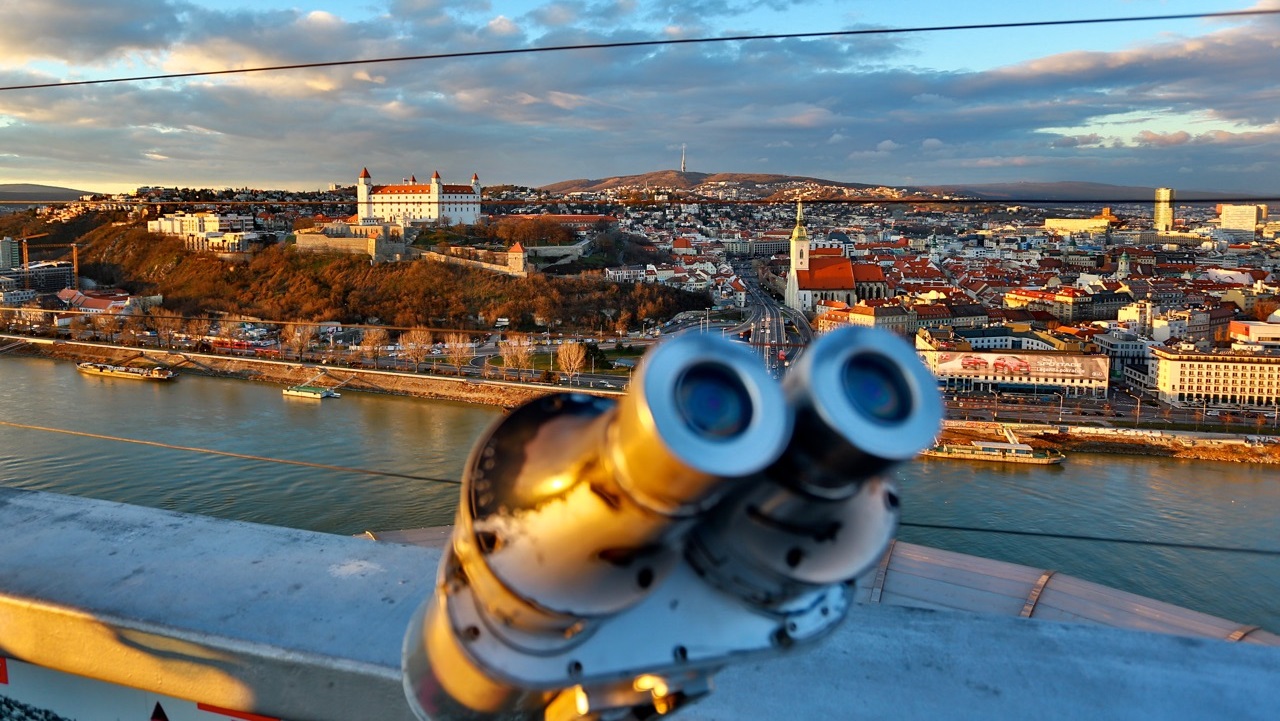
x: 295, y: 624
x: 268, y: 620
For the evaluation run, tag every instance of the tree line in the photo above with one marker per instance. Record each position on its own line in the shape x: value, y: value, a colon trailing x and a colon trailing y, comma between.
x: 280, y: 284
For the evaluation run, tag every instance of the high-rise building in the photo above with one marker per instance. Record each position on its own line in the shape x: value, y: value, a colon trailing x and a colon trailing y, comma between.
x: 1241, y: 217
x: 10, y: 253
x: 1163, y: 216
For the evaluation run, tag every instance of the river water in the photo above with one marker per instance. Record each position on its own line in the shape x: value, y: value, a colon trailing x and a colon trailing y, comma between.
x: 1220, y: 504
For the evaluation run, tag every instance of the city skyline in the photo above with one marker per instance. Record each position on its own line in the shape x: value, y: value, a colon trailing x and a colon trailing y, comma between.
x: 1187, y: 103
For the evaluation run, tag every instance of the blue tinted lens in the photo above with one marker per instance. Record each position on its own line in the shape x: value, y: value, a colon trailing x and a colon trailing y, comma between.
x: 877, y: 388
x: 713, y: 401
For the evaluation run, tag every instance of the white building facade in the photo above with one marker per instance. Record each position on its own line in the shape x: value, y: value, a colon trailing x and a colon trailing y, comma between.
x: 1193, y: 378
x: 187, y: 224
x: 414, y: 202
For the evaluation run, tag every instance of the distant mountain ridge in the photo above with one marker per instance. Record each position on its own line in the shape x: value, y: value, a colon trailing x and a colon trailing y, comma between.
x: 782, y: 187
x: 695, y: 182
x: 36, y: 193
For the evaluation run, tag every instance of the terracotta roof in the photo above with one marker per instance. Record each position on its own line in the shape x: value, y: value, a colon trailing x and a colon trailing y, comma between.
x: 826, y: 274
x: 418, y: 189
x: 364, y: 173
x: 868, y: 273
x: 457, y: 189
x: 933, y: 311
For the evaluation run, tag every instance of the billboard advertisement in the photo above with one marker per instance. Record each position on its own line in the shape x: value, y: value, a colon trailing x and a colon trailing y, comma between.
x: 1019, y: 365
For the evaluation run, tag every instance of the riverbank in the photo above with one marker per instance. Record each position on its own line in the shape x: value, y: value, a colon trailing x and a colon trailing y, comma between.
x: 1088, y: 439
x: 464, y: 390
x: 507, y: 394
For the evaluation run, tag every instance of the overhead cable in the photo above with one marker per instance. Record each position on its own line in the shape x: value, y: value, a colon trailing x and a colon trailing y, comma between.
x: 648, y: 44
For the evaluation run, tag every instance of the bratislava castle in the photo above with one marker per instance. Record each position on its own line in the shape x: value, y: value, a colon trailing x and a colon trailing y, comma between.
x: 411, y: 201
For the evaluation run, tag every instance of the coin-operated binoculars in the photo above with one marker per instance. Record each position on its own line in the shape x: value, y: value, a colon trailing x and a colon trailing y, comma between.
x: 610, y: 556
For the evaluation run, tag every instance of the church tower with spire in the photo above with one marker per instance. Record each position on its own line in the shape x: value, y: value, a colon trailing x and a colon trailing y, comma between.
x: 799, y: 259
x: 1122, y: 266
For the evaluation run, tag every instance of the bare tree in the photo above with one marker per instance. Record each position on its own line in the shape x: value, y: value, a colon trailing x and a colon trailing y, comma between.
x: 521, y: 352
x: 80, y: 325
x: 510, y: 352
x: 458, y: 347
x: 131, y: 329
x: 165, y: 325
x: 623, y: 323
x: 416, y: 345
x: 104, y: 324
x: 198, y: 327
x: 298, y: 337
x: 372, y: 342
x: 572, y: 357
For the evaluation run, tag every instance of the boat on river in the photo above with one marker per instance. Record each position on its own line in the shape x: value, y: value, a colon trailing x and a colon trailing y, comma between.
x: 995, y: 452
x: 311, y: 392
x: 145, y: 374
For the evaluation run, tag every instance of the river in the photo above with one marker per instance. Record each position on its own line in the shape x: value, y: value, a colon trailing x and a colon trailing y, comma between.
x: 1221, y: 504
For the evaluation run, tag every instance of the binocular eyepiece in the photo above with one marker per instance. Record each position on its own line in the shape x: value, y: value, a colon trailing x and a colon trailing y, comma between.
x: 610, y: 555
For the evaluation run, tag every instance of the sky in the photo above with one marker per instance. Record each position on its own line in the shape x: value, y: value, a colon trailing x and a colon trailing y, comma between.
x: 1191, y: 104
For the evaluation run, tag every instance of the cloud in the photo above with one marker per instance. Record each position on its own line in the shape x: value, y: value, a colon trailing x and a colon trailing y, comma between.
x: 556, y: 14
x: 503, y: 26
x: 1076, y: 141
x: 1162, y: 140
x: 87, y: 31
x: 1132, y: 116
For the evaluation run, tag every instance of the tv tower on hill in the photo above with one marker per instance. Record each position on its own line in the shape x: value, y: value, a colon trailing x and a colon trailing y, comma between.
x: 682, y: 147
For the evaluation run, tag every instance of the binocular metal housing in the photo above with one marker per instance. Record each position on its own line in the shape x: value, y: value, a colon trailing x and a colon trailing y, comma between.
x: 609, y: 556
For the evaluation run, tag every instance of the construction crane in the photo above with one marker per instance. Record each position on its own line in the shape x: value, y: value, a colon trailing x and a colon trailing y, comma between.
x: 26, y: 258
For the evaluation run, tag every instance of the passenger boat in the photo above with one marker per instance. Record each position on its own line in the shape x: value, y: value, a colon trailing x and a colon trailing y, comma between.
x: 995, y: 452
x: 146, y: 374
x: 311, y: 392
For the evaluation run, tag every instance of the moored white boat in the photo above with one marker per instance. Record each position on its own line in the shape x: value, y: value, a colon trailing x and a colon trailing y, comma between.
x: 311, y: 392
x: 995, y: 452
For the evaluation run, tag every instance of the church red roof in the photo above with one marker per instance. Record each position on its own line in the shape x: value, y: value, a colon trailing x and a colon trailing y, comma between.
x: 868, y: 273
x: 826, y: 274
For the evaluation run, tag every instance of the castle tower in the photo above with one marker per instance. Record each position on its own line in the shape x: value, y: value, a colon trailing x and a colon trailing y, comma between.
x: 517, y: 259
x: 364, y: 204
